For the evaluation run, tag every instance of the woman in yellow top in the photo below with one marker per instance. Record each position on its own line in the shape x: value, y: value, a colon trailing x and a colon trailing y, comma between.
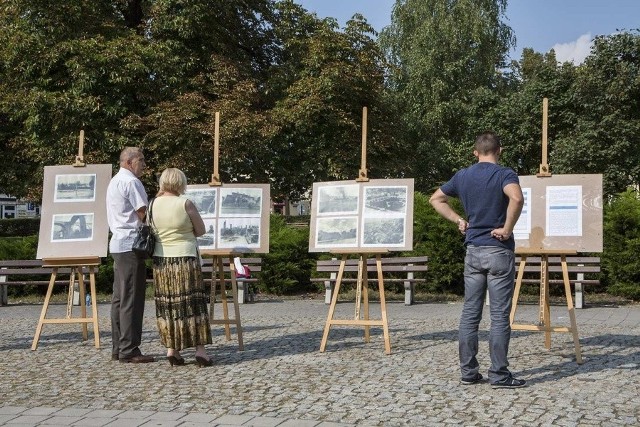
x: 180, y: 295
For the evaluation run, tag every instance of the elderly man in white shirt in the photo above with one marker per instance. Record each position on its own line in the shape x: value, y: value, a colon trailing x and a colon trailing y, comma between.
x: 126, y: 208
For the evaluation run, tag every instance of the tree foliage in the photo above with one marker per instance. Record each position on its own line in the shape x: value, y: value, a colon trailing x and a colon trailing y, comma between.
x: 444, y: 53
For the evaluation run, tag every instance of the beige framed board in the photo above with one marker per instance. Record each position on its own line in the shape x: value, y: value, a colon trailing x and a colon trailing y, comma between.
x: 73, y: 221
x: 236, y: 216
x: 561, y: 212
x: 362, y: 216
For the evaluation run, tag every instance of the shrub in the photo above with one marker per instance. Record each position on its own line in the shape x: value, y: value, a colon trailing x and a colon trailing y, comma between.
x: 620, y: 262
x: 440, y: 240
x: 288, y: 266
x: 19, y: 227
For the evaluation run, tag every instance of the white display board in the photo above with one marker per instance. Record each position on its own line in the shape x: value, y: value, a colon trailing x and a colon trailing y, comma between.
x: 561, y: 212
x: 361, y: 216
x: 73, y: 218
x: 236, y: 217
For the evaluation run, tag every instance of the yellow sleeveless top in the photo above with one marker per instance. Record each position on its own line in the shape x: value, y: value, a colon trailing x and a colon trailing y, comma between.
x: 173, y: 228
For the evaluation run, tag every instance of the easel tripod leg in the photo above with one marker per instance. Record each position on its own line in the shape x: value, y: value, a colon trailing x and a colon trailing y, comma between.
x: 45, y: 306
x: 94, y: 306
x: 332, y: 307
x: 236, y: 306
x: 383, y: 307
x: 572, y: 312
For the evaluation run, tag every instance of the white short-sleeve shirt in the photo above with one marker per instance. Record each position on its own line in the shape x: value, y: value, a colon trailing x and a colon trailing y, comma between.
x: 125, y: 195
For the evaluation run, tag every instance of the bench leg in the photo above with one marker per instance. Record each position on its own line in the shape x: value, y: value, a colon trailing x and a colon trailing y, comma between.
x: 578, y: 287
x: 328, y: 288
x: 242, y: 291
x: 4, y: 300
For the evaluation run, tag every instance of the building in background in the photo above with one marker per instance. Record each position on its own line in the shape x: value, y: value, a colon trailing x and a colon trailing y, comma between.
x: 11, y: 207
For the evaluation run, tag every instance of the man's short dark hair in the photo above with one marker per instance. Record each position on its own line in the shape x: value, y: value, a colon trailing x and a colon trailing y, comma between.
x: 487, y: 143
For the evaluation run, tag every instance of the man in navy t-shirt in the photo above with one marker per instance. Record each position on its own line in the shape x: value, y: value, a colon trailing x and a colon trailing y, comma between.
x: 492, y: 200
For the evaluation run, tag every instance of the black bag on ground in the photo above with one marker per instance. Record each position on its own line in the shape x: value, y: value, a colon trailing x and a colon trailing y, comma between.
x: 145, y: 241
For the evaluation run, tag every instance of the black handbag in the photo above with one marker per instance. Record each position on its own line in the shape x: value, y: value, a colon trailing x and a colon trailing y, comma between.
x: 145, y: 242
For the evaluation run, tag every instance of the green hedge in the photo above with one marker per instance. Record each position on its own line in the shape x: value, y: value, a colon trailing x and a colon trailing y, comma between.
x: 620, y: 261
x: 288, y: 266
x: 19, y: 227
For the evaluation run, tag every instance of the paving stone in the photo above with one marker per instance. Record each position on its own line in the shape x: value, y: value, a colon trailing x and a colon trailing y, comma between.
x: 281, y: 378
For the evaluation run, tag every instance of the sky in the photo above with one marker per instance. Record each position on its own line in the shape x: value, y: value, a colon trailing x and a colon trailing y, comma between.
x: 567, y: 26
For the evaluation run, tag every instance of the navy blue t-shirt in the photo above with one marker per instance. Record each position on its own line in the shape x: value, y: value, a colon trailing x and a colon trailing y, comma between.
x: 480, y: 189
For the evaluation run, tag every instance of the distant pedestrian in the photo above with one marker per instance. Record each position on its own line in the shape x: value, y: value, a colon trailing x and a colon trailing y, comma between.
x: 492, y: 200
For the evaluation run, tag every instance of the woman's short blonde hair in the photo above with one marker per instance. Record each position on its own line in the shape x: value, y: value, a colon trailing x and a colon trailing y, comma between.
x: 173, y: 180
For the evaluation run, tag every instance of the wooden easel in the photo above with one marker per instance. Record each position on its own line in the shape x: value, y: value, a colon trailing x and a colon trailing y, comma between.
x: 544, y: 324
x: 217, y: 267
x: 77, y: 268
x: 362, y: 283
x: 362, y: 295
x: 217, y: 271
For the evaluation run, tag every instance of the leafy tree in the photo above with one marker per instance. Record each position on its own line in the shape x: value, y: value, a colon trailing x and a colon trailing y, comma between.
x: 68, y: 65
x: 443, y: 52
x: 606, y: 135
x: 325, y: 79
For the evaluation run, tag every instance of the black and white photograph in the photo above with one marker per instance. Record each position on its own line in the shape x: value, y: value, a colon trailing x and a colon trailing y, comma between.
x: 238, y: 232
x: 385, y: 201
x: 338, y: 200
x: 337, y: 232
x: 240, y: 202
x: 75, y: 188
x: 204, y: 200
x: 208, y: 239
x: 72, y: 227
x: 383, y: 232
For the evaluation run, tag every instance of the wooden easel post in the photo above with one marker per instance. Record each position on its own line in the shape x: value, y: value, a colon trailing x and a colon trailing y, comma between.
x: 544, y: 165
x: 80, y: 157
x: 362, y: 295
x: 362, y: 174
x: 218, y: 279
x: 215, y: 177
x: 77, y: 265
x: 544, y: 324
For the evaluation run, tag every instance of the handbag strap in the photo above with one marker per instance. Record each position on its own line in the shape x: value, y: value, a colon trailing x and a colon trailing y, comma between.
x: 149, y: 217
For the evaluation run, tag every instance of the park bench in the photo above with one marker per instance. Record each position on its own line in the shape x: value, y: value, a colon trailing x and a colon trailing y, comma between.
x: 27, y: 272
x: 577, y: 266
x: 392, y: 266
x: 246, y: 292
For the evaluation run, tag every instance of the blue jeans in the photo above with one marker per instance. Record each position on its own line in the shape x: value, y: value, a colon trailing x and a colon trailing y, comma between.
x: 493, y: 268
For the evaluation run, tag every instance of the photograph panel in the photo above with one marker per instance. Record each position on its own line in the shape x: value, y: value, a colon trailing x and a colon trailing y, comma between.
x: 337, y: 232
x: 204, y: 199
x: 240, y: 202
x: 72, y: 227
x: 338, y: 200
x: 239, y: 232
x: 383, y: 232
x: 71, y: 188
x: 385, y: 201
x: 208, y: 239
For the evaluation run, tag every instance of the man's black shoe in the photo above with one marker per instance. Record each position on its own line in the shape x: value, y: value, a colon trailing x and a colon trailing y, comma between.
x: 509, y: 382
x: 473, y: 380
x: 137, y: 359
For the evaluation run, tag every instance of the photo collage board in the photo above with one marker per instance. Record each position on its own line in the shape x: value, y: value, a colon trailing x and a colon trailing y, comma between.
x: 73, y: 221
x: 361, y: 216
x: 236, y: 217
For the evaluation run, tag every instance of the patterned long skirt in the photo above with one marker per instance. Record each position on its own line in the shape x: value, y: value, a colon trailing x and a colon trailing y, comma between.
x: 181, y: 302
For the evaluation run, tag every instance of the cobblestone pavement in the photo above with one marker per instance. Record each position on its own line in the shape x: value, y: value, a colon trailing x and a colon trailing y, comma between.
x: 282, y: 379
